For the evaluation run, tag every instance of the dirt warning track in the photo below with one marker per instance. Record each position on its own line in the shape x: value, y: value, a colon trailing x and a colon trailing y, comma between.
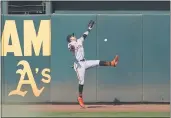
x: 102, y: 108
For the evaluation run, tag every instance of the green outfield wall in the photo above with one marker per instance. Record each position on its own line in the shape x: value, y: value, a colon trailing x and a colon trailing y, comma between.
x: 34, y: 48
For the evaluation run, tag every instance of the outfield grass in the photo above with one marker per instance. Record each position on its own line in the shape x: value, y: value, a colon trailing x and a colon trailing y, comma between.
x: 107, y: 114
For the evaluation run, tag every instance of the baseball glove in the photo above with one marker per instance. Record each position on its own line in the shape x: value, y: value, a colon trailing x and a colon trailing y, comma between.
x: 91, y: 24
x: 72, y: 48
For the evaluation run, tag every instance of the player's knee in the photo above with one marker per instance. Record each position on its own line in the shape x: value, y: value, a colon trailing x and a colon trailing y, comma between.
x: 81, y: 82
x: 97, y: 62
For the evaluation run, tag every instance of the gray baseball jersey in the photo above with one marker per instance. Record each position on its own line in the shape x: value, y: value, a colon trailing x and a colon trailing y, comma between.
x: 80, y: 64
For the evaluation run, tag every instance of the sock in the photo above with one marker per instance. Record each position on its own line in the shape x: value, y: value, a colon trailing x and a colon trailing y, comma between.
x: 80, y: 90
x: 104, y: 63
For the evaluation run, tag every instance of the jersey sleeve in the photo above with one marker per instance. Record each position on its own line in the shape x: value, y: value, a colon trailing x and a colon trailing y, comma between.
x: 84, y: 36
x: 81, y: 39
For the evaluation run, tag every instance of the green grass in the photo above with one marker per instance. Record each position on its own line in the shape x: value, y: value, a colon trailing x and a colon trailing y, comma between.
x: 107, y: 114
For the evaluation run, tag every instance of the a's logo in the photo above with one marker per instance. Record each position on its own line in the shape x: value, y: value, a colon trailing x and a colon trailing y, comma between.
x: 33, y: 43
x: 31, y: 80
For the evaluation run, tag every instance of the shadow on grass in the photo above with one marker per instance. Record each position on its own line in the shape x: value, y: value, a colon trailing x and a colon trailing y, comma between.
x: 95, y: 106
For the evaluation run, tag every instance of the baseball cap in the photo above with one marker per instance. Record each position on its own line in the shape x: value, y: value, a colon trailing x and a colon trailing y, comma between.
x: 69, y: 36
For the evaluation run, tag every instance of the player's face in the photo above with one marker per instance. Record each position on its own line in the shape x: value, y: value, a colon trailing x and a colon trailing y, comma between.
x: 73, y: 38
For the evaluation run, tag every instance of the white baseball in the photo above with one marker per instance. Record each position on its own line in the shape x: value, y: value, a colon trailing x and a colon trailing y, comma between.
x: 105, y: 40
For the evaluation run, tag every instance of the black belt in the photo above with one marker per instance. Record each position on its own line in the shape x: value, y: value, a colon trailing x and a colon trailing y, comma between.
x: 82, y: 60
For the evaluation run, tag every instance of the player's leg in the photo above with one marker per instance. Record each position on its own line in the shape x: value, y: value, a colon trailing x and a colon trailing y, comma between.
x: 93, y: 63
x: 113, y: 63
x: 80, y: 71
x: 80, y: 76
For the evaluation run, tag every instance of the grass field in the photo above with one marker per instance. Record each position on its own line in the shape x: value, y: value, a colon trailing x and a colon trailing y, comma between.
x: 107, y: 114
x: 90, y: 111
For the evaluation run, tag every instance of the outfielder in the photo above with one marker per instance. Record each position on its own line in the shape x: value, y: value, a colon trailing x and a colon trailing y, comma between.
x: 81, y: 64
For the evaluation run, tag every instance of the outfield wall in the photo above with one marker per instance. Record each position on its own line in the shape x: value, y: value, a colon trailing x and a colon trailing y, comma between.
x: 141, y: 39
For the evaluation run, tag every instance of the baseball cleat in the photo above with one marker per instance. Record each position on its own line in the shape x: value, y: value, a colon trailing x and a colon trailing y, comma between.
x: 115, y: 61
x: 80, y: 101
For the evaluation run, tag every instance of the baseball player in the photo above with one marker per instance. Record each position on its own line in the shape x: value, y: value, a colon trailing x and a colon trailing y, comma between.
x: 81, y: 64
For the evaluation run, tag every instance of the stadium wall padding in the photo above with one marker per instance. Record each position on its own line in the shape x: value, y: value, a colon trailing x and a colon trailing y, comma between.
x: 141, y: 40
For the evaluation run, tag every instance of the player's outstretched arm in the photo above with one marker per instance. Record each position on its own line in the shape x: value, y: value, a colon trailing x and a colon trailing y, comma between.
x: 90, y: 26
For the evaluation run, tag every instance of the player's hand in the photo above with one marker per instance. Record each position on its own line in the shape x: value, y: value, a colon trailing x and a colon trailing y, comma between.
x: 91, y: 24
x: 72, y: 48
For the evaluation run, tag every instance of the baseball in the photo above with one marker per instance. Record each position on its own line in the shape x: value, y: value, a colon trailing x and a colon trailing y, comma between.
x: 105, y: 40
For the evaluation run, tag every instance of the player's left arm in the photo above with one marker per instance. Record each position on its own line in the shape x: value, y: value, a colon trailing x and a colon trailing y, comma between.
x: 85, y: 34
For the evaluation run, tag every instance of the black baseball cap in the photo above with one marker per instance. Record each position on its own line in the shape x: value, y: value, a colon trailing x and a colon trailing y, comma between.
x: 69, y: 36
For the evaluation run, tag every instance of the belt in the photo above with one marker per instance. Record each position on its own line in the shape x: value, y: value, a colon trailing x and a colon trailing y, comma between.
x: 82, y: 60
